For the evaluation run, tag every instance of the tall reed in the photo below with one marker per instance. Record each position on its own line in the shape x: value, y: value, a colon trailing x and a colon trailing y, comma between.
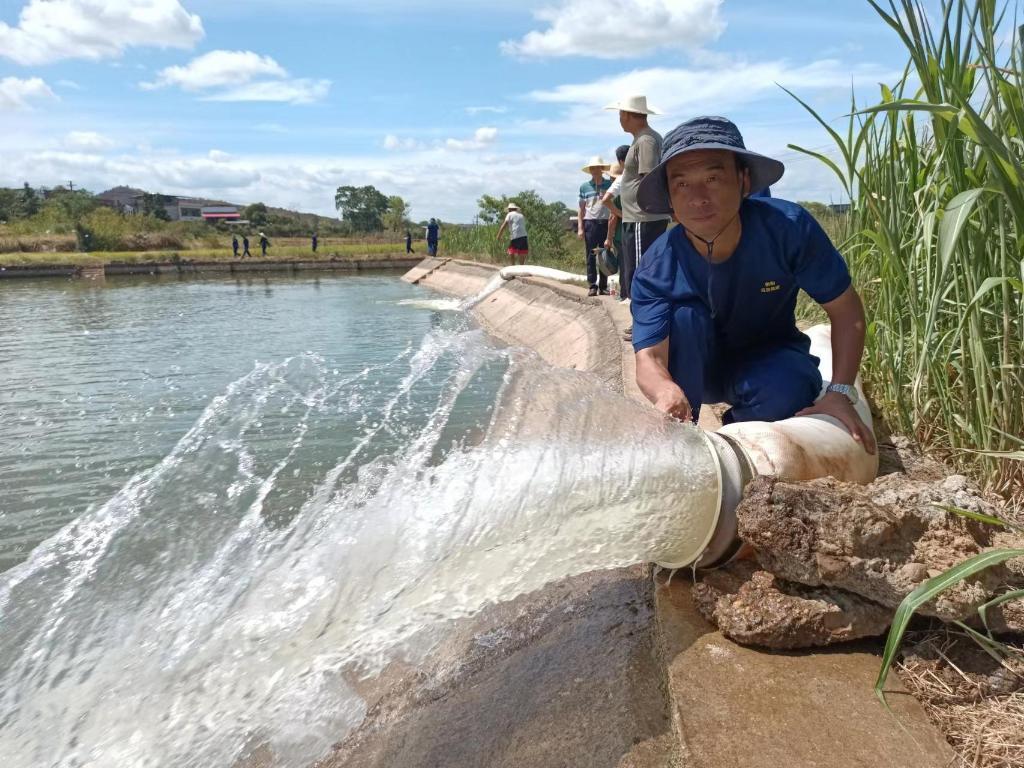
x: 936, y: 182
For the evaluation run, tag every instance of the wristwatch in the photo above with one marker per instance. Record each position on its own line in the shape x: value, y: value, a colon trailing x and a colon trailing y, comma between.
x: 844, y: 389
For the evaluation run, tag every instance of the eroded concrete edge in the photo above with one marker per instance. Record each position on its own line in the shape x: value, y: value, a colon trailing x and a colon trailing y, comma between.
x: 731, y: 706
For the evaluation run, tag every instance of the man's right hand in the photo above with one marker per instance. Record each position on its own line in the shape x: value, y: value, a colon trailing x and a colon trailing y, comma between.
x: 579, y: 234
x: 671, y: 401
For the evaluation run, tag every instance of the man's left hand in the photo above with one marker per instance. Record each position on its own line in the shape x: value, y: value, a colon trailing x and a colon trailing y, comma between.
x: 839, y: 407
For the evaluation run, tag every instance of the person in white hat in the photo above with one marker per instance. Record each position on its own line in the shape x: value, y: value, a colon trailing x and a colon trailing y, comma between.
x: 639, y: 228
x: 519, y: 247
x: 592, y: 223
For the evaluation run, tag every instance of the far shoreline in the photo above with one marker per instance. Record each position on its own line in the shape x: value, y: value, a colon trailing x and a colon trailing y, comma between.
x: 85, y: 265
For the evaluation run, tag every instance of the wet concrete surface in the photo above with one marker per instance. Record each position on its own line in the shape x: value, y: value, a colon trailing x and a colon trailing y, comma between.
x: 737, y: 707
x: 566, y: 676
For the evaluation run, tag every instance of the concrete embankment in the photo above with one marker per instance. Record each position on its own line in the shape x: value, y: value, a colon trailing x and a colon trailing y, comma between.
x: 619, y: 669
x: 185, y: 267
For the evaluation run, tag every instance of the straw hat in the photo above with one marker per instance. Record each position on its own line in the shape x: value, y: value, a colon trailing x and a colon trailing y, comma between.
x: 596, y: 162
x: 512, y: 207
x: 616, y: 169
x: 636, y: 104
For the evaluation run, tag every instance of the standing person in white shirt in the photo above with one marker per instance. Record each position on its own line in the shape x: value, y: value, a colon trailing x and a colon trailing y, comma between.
x: 518, y: 248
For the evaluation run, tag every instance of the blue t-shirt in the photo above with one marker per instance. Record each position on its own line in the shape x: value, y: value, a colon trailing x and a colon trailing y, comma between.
x: 751, y: 295
x: 432, y: 233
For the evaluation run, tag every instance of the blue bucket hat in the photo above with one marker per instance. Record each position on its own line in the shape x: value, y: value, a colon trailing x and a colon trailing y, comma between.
x: 704, y: 133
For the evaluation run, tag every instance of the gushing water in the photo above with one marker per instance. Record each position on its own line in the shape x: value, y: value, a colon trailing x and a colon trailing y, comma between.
x: 184, y: 623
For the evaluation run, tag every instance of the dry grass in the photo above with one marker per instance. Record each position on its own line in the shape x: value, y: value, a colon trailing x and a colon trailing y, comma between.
x: 976, y: 702
x: 10, y: 243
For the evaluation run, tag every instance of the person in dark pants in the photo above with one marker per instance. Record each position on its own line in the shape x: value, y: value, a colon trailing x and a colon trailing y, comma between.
x: 714, y: 300
x: 612, y: 201
x: 264, y: 244
x: 639, y: 228
x: 592, y: 222
x: 245, y: 247
x: 433, y: 234
x: 314, y: 241
x: 234, y: 246
x: 408, y: 242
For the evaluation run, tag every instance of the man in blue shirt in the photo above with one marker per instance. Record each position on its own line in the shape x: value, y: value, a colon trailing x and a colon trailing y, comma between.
x: 713, y: 301
x: 433, y: 233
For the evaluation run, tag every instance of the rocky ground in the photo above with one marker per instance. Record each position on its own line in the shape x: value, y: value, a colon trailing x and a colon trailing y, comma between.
x: 833, y: 560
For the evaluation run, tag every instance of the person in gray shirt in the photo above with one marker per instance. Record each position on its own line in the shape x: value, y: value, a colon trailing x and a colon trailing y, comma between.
x: 639, y: 228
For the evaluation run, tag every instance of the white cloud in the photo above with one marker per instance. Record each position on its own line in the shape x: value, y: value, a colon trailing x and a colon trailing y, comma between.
x: 681, y: 93
x: 218, y: 156
x: 52, y: 30
x: 300, y: 91
x: 69, y: 84
x: 616, y: 29
x: 482, y: 137
x: 218, y: 69
x: 480, y: 110
x: 87, y: 140
x: 21, y: 94
x: 239, y: 76
x: 393, y: 142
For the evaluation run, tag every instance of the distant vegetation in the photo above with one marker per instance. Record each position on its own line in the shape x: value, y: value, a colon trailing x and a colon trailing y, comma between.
x: 60, y: 220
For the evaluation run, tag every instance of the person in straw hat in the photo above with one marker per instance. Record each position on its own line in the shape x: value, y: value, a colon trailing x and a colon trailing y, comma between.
x: 714, y: 300
x: 519, y: 247
x: 592, y: 223
x: 639, y: 228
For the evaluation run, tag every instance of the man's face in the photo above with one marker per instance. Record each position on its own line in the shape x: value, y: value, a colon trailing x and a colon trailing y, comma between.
x: 626, y: 120
x: 706, y: 190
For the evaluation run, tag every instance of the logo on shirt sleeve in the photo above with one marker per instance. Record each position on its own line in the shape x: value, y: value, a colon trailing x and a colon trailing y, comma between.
x: 770, y: 286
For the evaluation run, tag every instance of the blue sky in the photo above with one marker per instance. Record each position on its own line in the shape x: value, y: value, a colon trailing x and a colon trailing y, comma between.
x: 439, y: 102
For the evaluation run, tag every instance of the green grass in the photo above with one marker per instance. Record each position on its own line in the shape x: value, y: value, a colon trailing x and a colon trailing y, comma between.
x: 479, y: 243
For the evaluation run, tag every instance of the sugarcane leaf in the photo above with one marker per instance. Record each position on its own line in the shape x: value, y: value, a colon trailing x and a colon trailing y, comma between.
x: 927, y: 591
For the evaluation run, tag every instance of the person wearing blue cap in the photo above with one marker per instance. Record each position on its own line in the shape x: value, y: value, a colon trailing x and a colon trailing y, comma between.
x: 714, y: 300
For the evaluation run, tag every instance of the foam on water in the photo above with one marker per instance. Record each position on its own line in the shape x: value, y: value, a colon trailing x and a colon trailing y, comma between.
x: 178, y: 625
x: 437, y: 305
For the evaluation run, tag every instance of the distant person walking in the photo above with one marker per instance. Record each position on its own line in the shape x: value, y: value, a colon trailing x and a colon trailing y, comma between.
x: 639, y: 228
x: 264, y: 243
x: 408, y: 242
x: 518, y: 248
x: 314, y: 239
x: 592, y: 223
x: 245, y: 247
x: 433, y: 235
x: 234, y: 246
